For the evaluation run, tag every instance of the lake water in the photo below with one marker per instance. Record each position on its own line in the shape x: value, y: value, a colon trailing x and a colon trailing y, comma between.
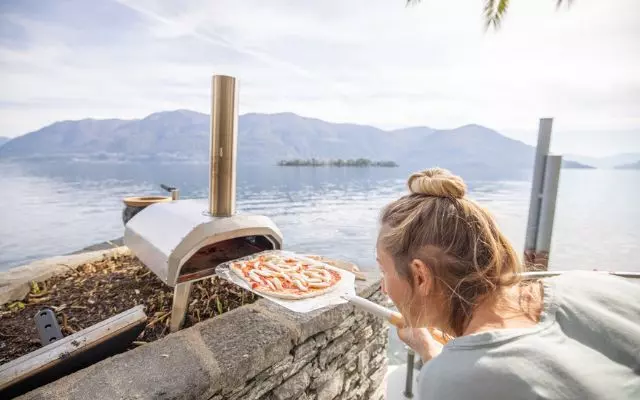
x: 49, y: 208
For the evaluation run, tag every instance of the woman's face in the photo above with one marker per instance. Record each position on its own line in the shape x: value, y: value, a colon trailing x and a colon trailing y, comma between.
x: 393, y: 285
x: 410, y: 300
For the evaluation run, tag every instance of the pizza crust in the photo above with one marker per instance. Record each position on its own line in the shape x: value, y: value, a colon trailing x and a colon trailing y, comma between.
x: 296, y: 296
x: 281, y: 295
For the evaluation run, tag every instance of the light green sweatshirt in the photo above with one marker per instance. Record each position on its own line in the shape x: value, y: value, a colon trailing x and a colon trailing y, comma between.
x: 586, y: 346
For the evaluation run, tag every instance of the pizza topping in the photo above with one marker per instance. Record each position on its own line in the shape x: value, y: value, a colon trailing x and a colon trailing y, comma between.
x: 277, y: 283
x: 273, y: 267
x: 263, y: 272
x: 283, y: 276
x: 299, y: 285
x: 297, y: 276
x: 279, y: 274
x: 270, y: 284
x: 254, y: 276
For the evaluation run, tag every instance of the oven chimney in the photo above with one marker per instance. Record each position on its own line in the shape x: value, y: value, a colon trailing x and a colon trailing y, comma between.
x: 224, y: 143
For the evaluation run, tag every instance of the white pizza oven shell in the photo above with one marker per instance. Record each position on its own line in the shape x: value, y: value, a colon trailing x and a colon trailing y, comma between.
x: 164, y: 236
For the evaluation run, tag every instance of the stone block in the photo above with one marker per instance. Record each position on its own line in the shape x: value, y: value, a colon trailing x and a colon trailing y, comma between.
x: 351, y: 354
x: 305, y: 324
x: 378, y: 361
x: 351, y: 365
x: 332, y: 388
x: 319, y: 379
x: 377, y: 389
x: 363, y: 361
x: 167, y: 369
x: 359, y: 391
x: 305, y: 348
x: 321, y: 339
x: 364, y: 333
x: 245, y: 342
x: 377, y: 376
x: 84, y: 384
x: 293, y: 387
x: 335, y: 348
x: 343, y: 327
x: 280, y: 368
x: 350, y: 382
x: 360, y: 315
x: 300, y: 362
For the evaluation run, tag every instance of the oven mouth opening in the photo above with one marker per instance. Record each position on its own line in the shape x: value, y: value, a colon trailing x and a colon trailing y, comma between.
x: 206, y: 259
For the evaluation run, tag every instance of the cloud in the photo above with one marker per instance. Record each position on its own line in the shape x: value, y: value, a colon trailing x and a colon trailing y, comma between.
x: 367, y: 61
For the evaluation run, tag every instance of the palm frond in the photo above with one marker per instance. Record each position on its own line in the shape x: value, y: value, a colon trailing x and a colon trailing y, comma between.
x: 559, y: 3
x: 493, y: 12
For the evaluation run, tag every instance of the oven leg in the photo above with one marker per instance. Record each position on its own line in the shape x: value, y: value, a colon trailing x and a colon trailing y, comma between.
x: 180, y: 303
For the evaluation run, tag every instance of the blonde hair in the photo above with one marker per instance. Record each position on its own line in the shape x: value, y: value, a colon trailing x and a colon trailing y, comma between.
x: 459, y: 241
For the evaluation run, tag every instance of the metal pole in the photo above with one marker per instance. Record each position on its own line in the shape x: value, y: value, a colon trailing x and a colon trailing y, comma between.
x: 547, y: 209
x: 408, y: 384
x: 542, y: 149
x: 224, y: 134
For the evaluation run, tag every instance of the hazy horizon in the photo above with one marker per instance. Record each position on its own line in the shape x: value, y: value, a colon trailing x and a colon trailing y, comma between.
x: 373, y: 62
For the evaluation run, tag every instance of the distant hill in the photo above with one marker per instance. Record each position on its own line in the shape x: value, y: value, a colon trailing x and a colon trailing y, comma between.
x: 635, y: 165
x: 4, y: 140
x: 267, y: 138
x: 575, y: 165
x: 605, y: 162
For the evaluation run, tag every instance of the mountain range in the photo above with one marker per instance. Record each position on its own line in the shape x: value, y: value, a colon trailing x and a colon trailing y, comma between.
x: 635, y: 165
x: 4, y: 140
x: 613, y: 161
x: 267, y: 138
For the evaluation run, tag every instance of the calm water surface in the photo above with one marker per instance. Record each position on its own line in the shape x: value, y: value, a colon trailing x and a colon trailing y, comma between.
x: 55, y: 208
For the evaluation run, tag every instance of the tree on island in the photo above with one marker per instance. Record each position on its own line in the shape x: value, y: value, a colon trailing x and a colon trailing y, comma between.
x: 313, y: 162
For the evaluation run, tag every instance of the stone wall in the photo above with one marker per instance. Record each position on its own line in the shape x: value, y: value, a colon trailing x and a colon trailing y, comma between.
x: 259, y: 351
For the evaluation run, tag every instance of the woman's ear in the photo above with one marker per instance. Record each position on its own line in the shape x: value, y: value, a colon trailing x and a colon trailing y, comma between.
x: 422, y: 279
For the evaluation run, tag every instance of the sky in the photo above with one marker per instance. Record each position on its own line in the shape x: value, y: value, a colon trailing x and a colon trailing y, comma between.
x: 374, y: 62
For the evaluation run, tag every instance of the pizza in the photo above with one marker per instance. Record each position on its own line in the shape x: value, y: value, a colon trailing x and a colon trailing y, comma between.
x: 286, y: 277
x: 341, y: 264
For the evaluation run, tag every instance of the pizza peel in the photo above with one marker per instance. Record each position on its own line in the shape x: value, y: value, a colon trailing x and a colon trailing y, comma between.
x: 344, y: 292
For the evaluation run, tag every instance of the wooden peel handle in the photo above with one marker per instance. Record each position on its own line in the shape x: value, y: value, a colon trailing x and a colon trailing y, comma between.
x: 396, y: 319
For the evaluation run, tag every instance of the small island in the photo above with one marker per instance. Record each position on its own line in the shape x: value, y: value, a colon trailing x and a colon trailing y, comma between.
x: 313, y: 162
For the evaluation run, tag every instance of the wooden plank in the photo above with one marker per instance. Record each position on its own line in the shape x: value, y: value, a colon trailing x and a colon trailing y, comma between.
x: 64, y: 350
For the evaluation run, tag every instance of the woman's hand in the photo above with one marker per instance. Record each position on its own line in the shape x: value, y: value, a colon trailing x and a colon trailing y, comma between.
x: 420, y: 341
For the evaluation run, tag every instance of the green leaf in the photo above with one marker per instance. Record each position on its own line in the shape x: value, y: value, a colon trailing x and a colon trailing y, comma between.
x: 16, y: 305
x: 219, y: 305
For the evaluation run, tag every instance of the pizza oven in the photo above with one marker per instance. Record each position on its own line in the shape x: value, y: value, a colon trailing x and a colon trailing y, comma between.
x: 183, y: 241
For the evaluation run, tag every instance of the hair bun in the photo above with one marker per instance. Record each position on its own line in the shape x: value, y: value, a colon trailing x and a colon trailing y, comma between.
x: 437, y: 182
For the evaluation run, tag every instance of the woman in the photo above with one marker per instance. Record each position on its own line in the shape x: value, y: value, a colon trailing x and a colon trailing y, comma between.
x: 446, y: 264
